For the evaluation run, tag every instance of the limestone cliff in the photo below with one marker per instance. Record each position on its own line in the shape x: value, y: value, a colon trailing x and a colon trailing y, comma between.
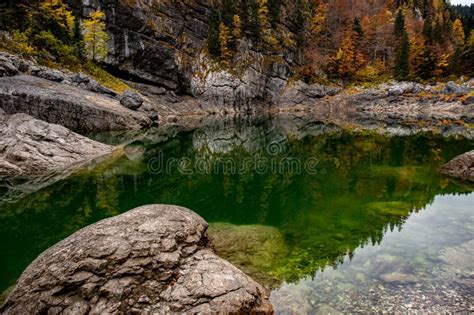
x: 163, y: 43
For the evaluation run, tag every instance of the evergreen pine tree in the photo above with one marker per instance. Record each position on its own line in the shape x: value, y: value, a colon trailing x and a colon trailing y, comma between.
x: 402, y: 58
x: 428, y: 30
x: 224, y: 42
x: 78, y: 39
x: 400, y: 24
x: 455, y: 64
x: 253, y: 21
x: 402, y: 64
x: 213, y: 36
x: 357, y: 27
x: 274, y: 8
x: 300, y: 21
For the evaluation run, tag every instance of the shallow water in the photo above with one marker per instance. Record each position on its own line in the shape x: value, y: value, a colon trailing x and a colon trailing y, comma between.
x: 327, y: 219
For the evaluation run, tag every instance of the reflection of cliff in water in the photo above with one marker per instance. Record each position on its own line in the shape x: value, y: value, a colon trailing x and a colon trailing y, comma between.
x: 361, y: 186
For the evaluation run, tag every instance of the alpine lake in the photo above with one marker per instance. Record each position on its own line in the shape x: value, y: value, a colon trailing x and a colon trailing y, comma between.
x: 329, y: 220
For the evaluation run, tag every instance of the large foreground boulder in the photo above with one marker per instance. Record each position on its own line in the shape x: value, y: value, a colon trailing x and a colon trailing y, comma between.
x: 31, y: 146
x: 66, y: 105
x: 461, y: 167
x: 152, y: 259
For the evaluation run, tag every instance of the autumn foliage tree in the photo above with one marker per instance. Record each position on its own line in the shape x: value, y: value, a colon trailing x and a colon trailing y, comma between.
x: 95, y: 37
x: 347, y: 60
x: 354, y: 40
x: 224, y: 42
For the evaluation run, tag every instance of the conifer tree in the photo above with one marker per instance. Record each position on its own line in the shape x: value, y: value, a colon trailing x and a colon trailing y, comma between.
x: 213, y: 36
x: 399, y: 24
x: 402, y: 68
x: 253, y: 20
x: 458, y: 33
x: 428, y: 30
x: 274, y: 9
x: 347, y: 60
x: 468, y: 56
x: 455, y: 64
x: 54, y: 16
x: 95, y: 37
x: 402, y: 65
x: 224, y: 42
x: 236, y: 27
x: 78, y: 39
x: 59, y: 12
x: 357, y: 27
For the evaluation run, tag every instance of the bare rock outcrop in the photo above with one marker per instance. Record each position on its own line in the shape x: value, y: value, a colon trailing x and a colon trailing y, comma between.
x: 152, y: 259
x: 461, y: 167
x: 32, y: 146
x: 66, y: 105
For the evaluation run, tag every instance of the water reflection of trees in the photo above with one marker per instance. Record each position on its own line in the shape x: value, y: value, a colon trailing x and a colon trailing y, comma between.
x: 366, y: 184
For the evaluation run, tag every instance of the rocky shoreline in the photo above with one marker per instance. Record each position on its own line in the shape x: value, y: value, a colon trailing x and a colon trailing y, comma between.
x: 79, y: 103
x: 41, y: 109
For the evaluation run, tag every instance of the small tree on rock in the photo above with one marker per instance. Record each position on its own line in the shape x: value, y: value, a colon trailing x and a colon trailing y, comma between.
x: 95, y: 37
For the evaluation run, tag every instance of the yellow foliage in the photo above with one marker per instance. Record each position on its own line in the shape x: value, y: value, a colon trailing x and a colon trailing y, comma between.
x: 20, y: 44
x: 265, y: 26
x: 319, y: 18
x: 458, y: 33
x: 370, y: 73
x: 105, y: 78
x: 95, y: 37
x: 236, y: 26
x: 347, y: 60
x: 470, y: 40
x: 59, y: 12
x: 224, y: 42
x: 263, y: 14
x: 442, y: 65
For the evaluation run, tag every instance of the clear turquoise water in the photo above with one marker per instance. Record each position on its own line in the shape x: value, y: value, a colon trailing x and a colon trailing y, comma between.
x: 329, y: 213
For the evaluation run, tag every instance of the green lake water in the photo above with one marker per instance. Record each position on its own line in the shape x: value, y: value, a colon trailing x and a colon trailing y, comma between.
x: 326, y: 219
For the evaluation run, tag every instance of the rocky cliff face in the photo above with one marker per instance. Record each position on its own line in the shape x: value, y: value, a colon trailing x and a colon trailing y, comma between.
x: 153, y: 41
x: 163, y: 43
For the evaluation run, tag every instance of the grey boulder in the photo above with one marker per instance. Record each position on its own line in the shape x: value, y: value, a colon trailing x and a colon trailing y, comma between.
x: 7, y: 67
x: 149, y: 260
x: 131, y: 100
x: 453, y: 88
x: 51, y: 75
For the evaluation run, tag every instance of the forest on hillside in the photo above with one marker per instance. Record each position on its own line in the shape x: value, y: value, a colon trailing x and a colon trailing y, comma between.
x: 356, y: 40
x: 363, y: 40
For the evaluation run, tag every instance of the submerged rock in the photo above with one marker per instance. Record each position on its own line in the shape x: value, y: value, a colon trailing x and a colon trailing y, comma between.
x: 461, y: 167
x: 253, y: 248
x: 32, y: 146
x: 398, y: 278
x: 152, y: 259
x: 459, y: 258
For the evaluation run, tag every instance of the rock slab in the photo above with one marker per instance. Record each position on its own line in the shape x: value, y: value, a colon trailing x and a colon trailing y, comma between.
x: 31, y: 146
x: 461, y: 167
x: 66, y: 105
x: 152, y: 259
